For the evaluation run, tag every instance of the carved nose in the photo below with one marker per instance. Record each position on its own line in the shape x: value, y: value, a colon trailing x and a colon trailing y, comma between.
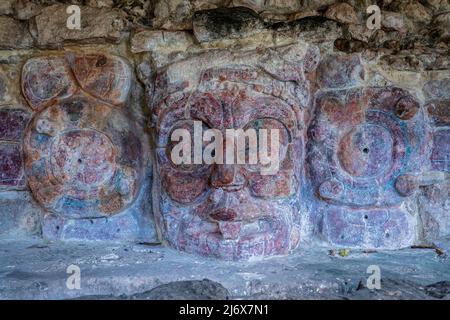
x: 226, y: 176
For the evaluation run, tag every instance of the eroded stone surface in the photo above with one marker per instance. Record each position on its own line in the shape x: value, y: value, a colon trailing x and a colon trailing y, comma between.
x: 435, y: 211
x: 13, y: 123
x: 409, y: 51
x: 83, y: 156
x: 47, y: 79
x: 100, y: 24
x: 14, y: 34
x: 12, y: 126
x: 122, y: 227
x: 105, y: 77
x: 11, y: 167
x: 365, y: 147
x: 38, y: 270
x: 340, y: 71
x: 232, y: 211
x: 440, y: 157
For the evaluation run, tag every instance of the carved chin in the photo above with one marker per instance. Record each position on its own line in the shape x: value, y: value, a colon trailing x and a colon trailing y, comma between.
x: 234, y: 240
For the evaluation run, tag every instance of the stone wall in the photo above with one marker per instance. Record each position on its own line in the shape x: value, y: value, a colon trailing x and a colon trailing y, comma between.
x: 85, y: 117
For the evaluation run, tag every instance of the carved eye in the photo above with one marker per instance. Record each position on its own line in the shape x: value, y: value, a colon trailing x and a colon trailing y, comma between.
x: 271, y: 136
x: 185, y: 146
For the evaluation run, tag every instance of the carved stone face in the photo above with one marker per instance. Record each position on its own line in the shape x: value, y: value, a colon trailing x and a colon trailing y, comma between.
x: 231, y: 211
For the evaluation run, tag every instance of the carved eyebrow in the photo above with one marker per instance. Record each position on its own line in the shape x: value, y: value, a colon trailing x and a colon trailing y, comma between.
x: 289, y: 131
x: 277, y: 110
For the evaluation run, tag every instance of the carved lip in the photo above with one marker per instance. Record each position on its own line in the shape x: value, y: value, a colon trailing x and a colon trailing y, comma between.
x: 223, y: 215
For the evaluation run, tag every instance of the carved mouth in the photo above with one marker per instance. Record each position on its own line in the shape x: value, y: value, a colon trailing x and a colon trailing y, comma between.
x: 223, y: 215
x: 229, y: 226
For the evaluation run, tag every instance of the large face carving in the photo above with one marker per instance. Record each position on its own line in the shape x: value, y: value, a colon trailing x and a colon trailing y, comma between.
x: 230, y: 211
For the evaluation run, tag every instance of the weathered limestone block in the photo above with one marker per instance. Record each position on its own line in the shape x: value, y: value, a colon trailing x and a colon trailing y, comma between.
x: 14, y: 34
x: 342, y: 12
x: 413, y: 10
x: 165, y: 46
x: 439, y: 30
x: 232, y: 211
x: 437, y: 5
x: 394, y: 21
x: 240, y: 27
x: 226, y: 23
x: 7, y: 7
x: 83, y: 154
x: 98, y: 25
x: 173, y: 15
x: 26, y: 9
x: 366, y: 149
x: 274, y: 6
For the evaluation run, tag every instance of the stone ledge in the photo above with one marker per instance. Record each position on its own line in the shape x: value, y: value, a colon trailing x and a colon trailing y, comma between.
x: 37, y: 270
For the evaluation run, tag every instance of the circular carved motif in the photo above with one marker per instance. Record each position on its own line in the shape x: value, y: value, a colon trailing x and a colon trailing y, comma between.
x: 82, y: 158
x: 366, y: 151
x: 362, y: 140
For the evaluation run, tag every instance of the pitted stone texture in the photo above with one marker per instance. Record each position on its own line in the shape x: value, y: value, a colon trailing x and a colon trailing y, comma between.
x: 340, y: 71
x: 437, y: 93
x: 439, y: 111
x: 105, y: 77
x: 434, y: 202
x: 229, y: 23
x: 342, y: 12
x: 440, y: 157
x: 48, y: 79
x: 241, y: 27
x: 20, y: 215
x: 3, y: 88
x: 45, y: 79
x: 98, y: 25
x: 83, y: 158
x: 14, y: 34
x: 7, y: 7
x: 231, y: 211
x: 122, y: 227
x: 11, y: 167
x: 437, y: 89
x: 365, y: 148
x: 372, y: 228
x: 12, y: 125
